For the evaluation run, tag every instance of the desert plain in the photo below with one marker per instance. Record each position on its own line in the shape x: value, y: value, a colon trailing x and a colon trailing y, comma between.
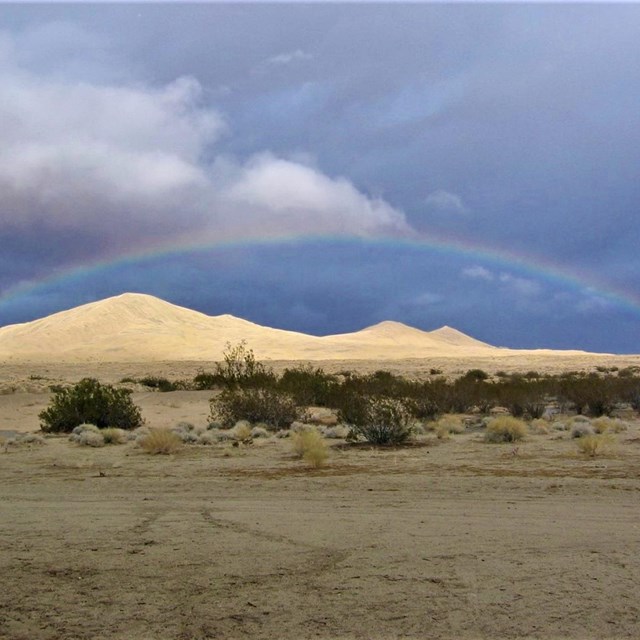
x: 450, y: 538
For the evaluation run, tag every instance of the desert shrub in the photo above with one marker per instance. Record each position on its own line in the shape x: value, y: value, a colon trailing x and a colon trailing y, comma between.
x: 31, y: 438
x: 160, y: 441
x: 113, y: 435
x: 505, y: 429
x: 476, y: 375
x: 539, y: 427
x: 310, y: 446
x: 298, y: 441
x: 259, y: 432
x: 592, y: 445
x: 241, y: 431
x: 446, y: 425
x: 353, y: 409
x: 204, y: 380
x: 163, y: 384
x: 424, y: 408
x: 535, y: 409
x: 387, y: 421
x: 590, y: 394
x: 581, y: 430
x: 187, y: 432
x: 270, y: 407
x: 85, y: 426
x: 90, y: 439
x: 308, y: 386
x: 208, y: 438
x: 608, y: 425
x: 76, y: 432
x: 339, y: 432
x: 239, y: 368
x: 22, y: 439
x: 137, y: 434
x: 90, y: 402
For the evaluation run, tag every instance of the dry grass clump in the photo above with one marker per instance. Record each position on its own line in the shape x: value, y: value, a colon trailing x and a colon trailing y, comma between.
x: 21, y: 439
x: 339, y: 432
x: 208, y: 438
x: 161, y: 441
x: 447, y: 425
x: 505, y: 429
x: 187, y: 432
x: 259, y: 432
x: 581, y: 430
x: 310, y: 446
x: 113, y: 435
x: 91, y: 439
x: 138, y: 434
x: 87, y: 435
x: 608, y: 425
x: 241, y: 431
x: 539, y: 427
x: 595, y: 444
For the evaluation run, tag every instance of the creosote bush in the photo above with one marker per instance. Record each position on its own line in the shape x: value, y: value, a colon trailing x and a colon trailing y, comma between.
x: 273, y: 409
x: 385, y: 421
x: 505, y: 429
x: 89, y: 401
x: 161, y: 441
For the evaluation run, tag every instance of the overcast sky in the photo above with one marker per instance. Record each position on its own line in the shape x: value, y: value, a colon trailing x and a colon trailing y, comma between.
x: 324, y: 167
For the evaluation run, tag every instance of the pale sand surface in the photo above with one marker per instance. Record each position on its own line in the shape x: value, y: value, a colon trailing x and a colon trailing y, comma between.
x: 454, y: 539
x: 142, y: 328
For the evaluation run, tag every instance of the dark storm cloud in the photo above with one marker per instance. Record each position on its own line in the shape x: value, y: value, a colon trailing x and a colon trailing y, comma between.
x: 513, y: 126
x: 129, y: 165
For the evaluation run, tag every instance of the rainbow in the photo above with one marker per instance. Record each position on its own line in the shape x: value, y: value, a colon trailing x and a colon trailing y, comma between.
x: 529, y: 265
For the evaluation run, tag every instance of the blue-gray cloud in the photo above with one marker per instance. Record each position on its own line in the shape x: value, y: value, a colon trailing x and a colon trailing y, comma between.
x: 510, y: 126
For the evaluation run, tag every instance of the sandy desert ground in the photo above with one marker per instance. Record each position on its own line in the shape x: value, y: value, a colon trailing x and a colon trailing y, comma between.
x: 444, y: 539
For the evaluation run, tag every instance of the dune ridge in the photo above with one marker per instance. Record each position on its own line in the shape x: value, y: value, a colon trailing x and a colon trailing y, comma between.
x: 135, y: 327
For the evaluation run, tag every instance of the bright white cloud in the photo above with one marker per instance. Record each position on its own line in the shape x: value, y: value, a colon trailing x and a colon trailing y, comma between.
x: 294, y: 196
x: 129, y: 162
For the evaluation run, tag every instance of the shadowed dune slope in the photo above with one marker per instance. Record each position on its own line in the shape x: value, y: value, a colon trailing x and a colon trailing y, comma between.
x: 137, y: 328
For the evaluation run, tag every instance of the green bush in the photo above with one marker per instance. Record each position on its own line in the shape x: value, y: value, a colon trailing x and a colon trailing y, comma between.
x: 308, y: 386
x: 240, y: 368
x: 381, y: 421
x: 163, y: 384
x: 205, y: 380
x: 275, y: 409
x: 90, y: 402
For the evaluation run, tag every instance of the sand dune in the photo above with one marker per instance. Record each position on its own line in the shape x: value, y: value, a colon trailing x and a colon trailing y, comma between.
x: 141, y: 328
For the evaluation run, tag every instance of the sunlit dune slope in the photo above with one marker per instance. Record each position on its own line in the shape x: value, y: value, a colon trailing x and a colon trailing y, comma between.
x: 137, y: 328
